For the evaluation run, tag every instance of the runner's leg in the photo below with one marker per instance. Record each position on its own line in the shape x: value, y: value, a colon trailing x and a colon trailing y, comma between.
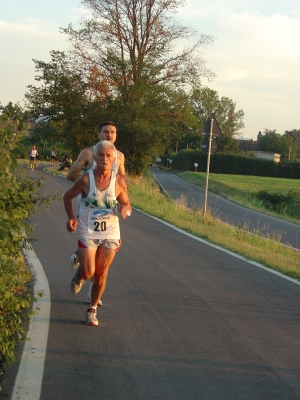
x: 104, y: 259
x: 86, y: 258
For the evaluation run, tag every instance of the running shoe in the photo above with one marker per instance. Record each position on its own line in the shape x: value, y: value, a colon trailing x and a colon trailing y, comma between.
x: 74, y: 261
x: 91, y: 317
x: 76, y: 283
x: 89, y: 295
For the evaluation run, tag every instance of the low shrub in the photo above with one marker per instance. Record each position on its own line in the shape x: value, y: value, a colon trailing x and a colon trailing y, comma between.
x: 19, y: 198
x: 288, y: 204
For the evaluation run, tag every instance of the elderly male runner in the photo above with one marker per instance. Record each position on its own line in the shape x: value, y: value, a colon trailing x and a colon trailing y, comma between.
x: 103, y: 192
x: 106, y: 131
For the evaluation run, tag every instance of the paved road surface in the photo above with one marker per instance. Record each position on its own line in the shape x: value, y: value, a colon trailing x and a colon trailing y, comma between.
x: 180, y: 320
x: 227, y: 211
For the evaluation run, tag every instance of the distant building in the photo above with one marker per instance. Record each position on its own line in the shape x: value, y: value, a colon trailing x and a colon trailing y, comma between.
x: 267, y: 155
x: 251, y: 146
x: 247, y: 144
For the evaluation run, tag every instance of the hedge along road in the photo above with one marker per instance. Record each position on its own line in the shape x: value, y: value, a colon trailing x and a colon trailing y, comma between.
x: 227, y: 211
x: 181, y: 319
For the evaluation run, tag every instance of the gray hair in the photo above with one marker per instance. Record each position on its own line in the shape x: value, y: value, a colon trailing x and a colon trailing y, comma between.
x: 105, y: 144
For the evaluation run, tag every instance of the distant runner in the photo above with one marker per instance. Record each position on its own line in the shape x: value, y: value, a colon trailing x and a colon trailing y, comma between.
x: 53, y: 156
x: 33, y: 153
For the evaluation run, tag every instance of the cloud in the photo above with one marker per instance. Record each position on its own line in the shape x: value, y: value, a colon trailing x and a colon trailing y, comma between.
x: 253, y: 48
x: 19, y: 44
x: 256, y: 59
x: 276, y: 35
x: 234, y: 74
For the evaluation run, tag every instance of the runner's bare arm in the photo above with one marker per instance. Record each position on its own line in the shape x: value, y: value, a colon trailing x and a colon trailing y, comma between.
x: 84, y: 160
x: 80, y: 186
x: 121, y: 167
x: 124, y: 205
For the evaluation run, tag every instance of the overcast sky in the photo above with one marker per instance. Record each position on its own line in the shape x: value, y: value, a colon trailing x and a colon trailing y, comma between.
x: 256, y: 54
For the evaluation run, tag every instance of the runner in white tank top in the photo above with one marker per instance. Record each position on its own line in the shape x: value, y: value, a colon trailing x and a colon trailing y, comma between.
x: 33, y: 153
x: 103, y: 192
x: 86, y: 163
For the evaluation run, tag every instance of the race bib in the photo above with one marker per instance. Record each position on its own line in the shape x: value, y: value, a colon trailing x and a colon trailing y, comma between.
x: 102, y: 223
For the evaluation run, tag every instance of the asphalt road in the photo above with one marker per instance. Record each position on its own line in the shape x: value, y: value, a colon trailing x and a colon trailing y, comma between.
x: 180, y: 320
x: 288, y: 233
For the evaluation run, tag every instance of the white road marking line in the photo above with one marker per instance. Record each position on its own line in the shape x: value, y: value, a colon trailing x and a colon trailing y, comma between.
x: 30, y: 374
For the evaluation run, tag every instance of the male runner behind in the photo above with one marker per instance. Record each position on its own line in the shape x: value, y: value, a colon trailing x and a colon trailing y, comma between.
x: 106, y: 131
x: 103, y: 192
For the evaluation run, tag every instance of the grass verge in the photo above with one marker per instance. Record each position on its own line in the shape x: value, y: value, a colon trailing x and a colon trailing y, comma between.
x: 242, y: 189
x: 145, y: 196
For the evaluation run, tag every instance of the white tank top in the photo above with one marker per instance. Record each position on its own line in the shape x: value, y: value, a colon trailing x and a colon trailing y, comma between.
x: 33, y: 153
x: 114, y: 168
x: 98, y: 215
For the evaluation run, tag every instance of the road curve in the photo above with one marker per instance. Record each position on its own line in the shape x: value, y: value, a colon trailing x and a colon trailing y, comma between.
x: 289, y: 233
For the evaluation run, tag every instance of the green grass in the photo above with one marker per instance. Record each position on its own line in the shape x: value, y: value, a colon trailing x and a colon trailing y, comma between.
x: 241, y: 189
x: 145, y: 196
x: 54, y: 170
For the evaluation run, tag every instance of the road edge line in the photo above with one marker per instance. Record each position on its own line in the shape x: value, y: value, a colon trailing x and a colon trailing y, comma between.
x: 30, y: 373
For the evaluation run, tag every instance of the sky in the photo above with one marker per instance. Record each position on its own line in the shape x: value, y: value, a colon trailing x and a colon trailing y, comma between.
x: 255, y: 55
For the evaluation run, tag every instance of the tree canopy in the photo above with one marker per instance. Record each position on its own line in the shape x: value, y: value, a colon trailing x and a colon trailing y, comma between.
x: 206, y: 101
x: 15, y: 114
x: 295, y: 135
x: 273, y: 142
x: 130, y: 40
x: 131, y: 62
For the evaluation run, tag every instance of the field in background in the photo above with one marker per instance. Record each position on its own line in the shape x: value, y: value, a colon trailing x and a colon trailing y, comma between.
x: 242, y: 189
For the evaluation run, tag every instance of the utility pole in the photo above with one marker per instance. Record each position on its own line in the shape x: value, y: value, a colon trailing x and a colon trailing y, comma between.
x: 209, y: 146
x: 208, y: 164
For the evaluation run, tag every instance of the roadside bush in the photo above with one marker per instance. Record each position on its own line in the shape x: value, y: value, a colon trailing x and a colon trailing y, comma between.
x: 19, y: 197
x: 21, y: 151
x: 282, y: 204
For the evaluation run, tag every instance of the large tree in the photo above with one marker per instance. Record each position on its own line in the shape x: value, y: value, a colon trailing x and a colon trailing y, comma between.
x: 130, y: 62
x: 126, y: 41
